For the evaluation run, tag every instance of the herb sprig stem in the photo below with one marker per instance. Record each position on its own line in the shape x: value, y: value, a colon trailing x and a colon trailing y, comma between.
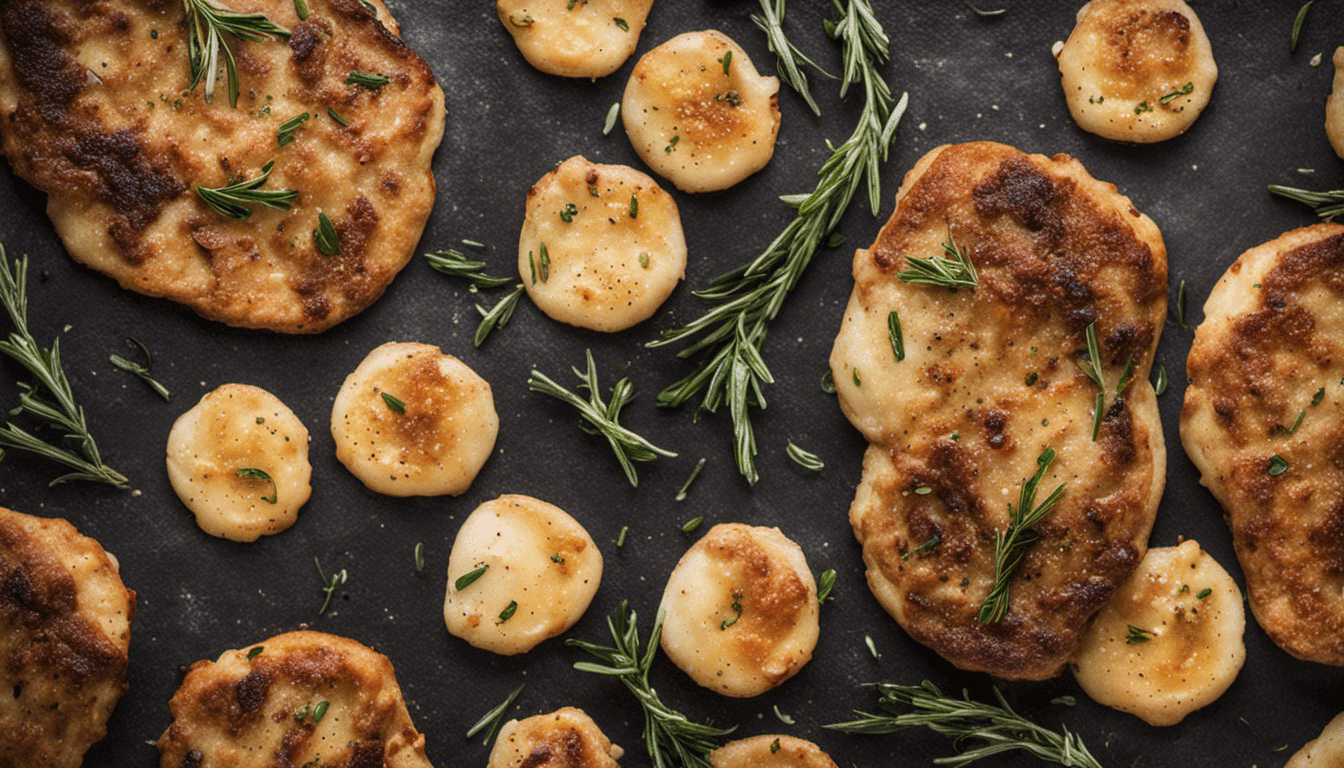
x: 790, y: 60
x: 1010, y: 545
x: 207, y: 23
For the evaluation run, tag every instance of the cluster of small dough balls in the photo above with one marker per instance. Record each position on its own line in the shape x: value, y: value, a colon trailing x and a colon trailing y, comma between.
x: 575, y: 38
x: 520, y: 571
x: 1170, y: 640
x: 601, y: 246
x: 413, y: 421
x: 740, y: 611
x: 238, y: 459
x: 1137, y: 70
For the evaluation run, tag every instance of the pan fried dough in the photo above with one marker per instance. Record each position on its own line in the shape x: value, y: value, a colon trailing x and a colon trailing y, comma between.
x: 699, y: 113
x: 770, y: 751
x: 601, y: 247
x: 95, y: 111
x: 1188, y: 648
x: 1137, y: 70
x: 302, y: 698
x: 541, y: 570
x: 992, y: 376
x: 590, y: 38
x: 1270, y: 352
x: 1324, y: 751
x: 65, y: 628
x: 740, y: 610
x: 215, y: 451
x: 1334, y: 107
x: 413, y: 421
x: 565, y: 738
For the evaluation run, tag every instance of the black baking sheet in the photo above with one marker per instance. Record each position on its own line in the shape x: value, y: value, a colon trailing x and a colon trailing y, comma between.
x: 969, y: 78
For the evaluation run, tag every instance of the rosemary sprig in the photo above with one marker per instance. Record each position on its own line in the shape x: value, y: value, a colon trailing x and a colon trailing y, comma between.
x: 604, y: 417
x: 329, y: 586
x: 284, y: 135
x: 787, y: 56
x: 207, y: 23
x: 669, y: 736
x: 986, y: 729
x: 49, y: 397
x: 233, y: 200
x: 495, y: 717
x: 1328, y: 204
x: 145, y: 372
x: 954, y: 271
x: 1010, y: 546
x: 728, y: 337
x: 455, y: 263
x: 497, y: 317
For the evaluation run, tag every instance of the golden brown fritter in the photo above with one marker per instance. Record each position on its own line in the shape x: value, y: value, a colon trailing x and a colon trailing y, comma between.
x: 991, y: 377
x: 65, y: 627
x: 1264, y: 422
x: 291, y: 700
x: 565, y: 738
x: 95, y: 111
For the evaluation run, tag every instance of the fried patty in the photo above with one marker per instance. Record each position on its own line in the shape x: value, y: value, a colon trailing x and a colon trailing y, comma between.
x: 65, y: 627
x: 300, y: 698
x: 992, y: 377
x: 1264, y: 422
x: 95, y: 111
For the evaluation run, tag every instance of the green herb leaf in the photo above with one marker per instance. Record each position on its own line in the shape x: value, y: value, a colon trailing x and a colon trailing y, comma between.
x: 690, y: 526
x: 789, y: 60
x: 455, y: 263
x: 320, y: 711
x: 804, y: 458
x: 1277, y: 465
x: 1203, y: 593
x: 497, y: 317
x: 146, y: 372
x: 495, y: 717
x: 1161, y: 385
x: 634, y: 207
x: 984, y: 13
x: 207, y: 23
x: 1328, y: 205
x: 737, y: 613
x: 828, y: 382
x: 332, y: 114
x: 469, y: 578
x: 825, y: 583
x: 252, y: 473
x: 620, y: 538
x: 508, y: 612
x: 618, y: 21
x: 1180, y: 305
x: 419, y: 557
x: 927, y: 546
x: 1300, y: 415
x: 367, y: 80
x: 285, y: 133
x: 1297, y: 25
x: 568, y: 212
x: 393, y: 402
x: 1137, y: 636
x: 329, y: 586
x: 544, y: 262
x: 686, y: 486
x: 255, y: 652
x: 233, y: 199
x: 897, y: 338
x: 610, y: 123
x: 954, y: 271
x: 328, y: 241
x: 1318, y: 397
x: 301, y: 9
x: 1010, y: 545
x: 1184, y: 90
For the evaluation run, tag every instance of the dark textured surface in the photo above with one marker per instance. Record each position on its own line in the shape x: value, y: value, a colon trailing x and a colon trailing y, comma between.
x: 969, y: 78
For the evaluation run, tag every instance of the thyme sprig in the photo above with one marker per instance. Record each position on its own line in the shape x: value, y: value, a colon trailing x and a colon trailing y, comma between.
x: 1010, y: 546
x: 233, y: 200
x: 455, y: 263
x: 1328, y: 204
x: 987, y: 729
x: 728, y: 338
x: 787, y: 56
x: 207, y: 23
x: 144, y: 371
x: 48, y: 397
x: 329, y: 586
x: 604, y: 418
x: 669, y: 736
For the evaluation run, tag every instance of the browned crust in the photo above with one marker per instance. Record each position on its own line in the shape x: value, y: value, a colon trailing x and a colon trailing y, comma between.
x: 1252, y: 373
x: 60, y: 673
x: 1055, y: 251
x: 120, y: 161
x: 566, y: 738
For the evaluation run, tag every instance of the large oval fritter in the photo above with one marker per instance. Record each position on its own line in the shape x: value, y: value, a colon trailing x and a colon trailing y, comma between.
x: 991, y: 377
x: 1264, y: 422
x: 96, y: 110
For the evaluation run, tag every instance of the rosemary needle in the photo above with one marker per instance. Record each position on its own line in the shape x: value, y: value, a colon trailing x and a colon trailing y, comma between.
x: 329, y: 586
x: 497, y: 317
x: 670, y: 738
x: 686, y: 486
x: 49, y: 397
x: 728, y: 338
x: 787, y: 56
x: 455, y: 263
x: 804, y: 458
x: 495, y: 717
x: 604, y: 417
x: 207, y: 23
x: 145, y: 372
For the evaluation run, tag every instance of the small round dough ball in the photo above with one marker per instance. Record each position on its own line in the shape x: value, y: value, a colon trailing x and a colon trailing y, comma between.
x: 770, y: 751
x: 542, y: 570
x: 1137, y: 70
x: 567, y: 731
x: 1191, y: 612
x: 740, y: 610
x: 240, y: 427
x: 1334, y: 107
x: 436, y: 444
x: 575, y: 38
x: 604, y: 268
x: 696, y: 125
x: 1325, y: 751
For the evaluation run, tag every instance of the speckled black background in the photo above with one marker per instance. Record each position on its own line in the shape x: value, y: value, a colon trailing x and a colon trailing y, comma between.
x: 969, y: 78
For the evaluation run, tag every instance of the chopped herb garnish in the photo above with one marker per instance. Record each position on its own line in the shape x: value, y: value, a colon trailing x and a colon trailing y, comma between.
x: 207, y: 23
x: 1010, y: 545
x: 825, y: 583
x: 508, y: 612
x: 285, y: 133
x: 828, y: 382
x: 618, y: 21
x: 495, y: 717
x: 726, y: 59
x: 737, y: 612
x: 525, y: 21
x: 567, y: 213
x: 1093, y: 368
x: 985, y: 13
x: 691, y: 525
x: 301, y: 9
x: 634, y: 207
x: 612, y: 114
x: 783, y: 718
x: 644, y: 260
x: 858, y: 382
x: 469, y: 578
x: 252, y: 473
x: 872, y: 647
x: 671, y: 145
x: 329, y: 586
x: 367, y: 80
x: 556, y: 558
x: 1031, y: 378
x: 774, y: 746
x: 1097, y: 415
x: 734, y: 99
x: 1297, y: 25
x: 232, y: 200
x: 1203, y: 593
x: 328, y: 241
x: 393, y: 402
x: 1143, y: 107
x: 146, y: 372
x: 497, y: 317
x: 1180, y: 304
x: 620, y: 537
x: 1298, y: 422
x: 897, y: 338
x: 332, y: 114
x: 300, y: 714
x: 1184, y: 90
x: 1161, y: 385
x: 923, y: 490
x: 1318, y: 397
x: 1065, y: 701
x: 455, y: 263
x: 255, y: 652
x: 604, y: 417
x: 953, y: 271
x: 320, y: 711
x: 1277, y: 465
x: 1135, y: 635
x: 419, y: 556
x: 544, y: 263
x: 804, y: 458
x: 927, y: 546
x: 686, y: 486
